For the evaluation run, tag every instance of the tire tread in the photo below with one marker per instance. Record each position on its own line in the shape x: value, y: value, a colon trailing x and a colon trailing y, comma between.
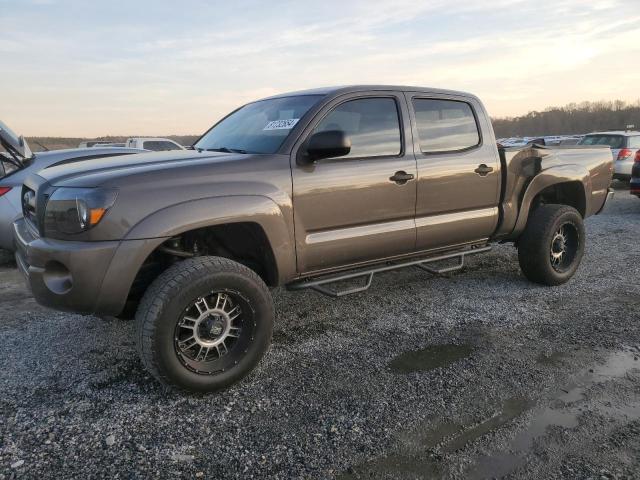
x: 532, y: 246
x: 157, y: 296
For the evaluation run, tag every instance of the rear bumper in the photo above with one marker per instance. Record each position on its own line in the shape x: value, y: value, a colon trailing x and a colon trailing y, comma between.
x: 622, y: 168
x: 81, y: 277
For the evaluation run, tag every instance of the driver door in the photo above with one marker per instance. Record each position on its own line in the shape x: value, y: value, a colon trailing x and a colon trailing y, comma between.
x: 361, y: 206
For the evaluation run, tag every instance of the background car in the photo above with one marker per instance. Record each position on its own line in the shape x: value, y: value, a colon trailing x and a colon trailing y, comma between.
x: 155, y: 144
x: 570, y: 141
x: 93, y: 143
x: 634, y: 184
x: 12, y: 176
x: 624, y: 145
x: 98, y: 145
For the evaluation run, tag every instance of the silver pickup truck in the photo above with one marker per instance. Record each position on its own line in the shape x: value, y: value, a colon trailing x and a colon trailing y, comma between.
x: 307, y: 190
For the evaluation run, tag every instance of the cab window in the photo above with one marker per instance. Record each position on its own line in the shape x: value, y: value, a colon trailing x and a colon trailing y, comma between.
x: 372, y: 124
x: 445, y: 125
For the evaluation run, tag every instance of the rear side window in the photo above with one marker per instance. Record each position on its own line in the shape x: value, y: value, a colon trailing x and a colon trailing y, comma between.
x: 613, y: 141
x: 371, y: 123
x: 157, y: 145
x: 445, y: 125
x: 634, y: 142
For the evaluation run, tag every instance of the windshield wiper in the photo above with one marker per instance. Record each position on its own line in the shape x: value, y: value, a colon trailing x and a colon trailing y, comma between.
x: 226, y: 150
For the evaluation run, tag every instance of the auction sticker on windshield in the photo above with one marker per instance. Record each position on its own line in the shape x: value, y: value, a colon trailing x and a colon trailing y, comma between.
x: 281, y: 124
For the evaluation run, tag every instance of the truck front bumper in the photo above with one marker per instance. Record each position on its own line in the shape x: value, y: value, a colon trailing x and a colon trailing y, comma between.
x: 81, y: 277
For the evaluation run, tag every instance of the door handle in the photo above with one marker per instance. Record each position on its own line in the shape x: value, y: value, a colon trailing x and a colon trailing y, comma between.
x: 483, y: 170
x: 401, y: 177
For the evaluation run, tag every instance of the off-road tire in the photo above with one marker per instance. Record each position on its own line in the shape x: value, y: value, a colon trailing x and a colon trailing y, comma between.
x: 537, y: 241
x: 164, y: 303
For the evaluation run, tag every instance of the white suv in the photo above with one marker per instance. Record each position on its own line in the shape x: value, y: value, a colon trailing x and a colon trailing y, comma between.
x: 624, y: 145
x: 154, y: 144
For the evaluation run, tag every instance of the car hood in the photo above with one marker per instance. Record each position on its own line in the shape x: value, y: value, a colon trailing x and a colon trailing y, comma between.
x: 96, y: 172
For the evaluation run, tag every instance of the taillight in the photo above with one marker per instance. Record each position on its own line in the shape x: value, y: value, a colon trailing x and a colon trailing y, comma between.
x: 637, y: 159
x: 624, y: 153
x: 4, y: 190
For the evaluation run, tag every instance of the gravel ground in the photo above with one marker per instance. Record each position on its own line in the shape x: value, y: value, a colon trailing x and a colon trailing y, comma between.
x: 470, y: 375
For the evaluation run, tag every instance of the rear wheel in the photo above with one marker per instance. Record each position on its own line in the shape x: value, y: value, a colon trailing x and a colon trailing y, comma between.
x: 204, y: 324
x: 551, y: 247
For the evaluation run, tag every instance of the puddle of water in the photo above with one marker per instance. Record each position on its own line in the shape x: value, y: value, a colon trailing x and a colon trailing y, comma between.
x: 414, y: 460
x: 538, y: 426
x: 619, y: 364
x: 512, y: 408
x: 429, y: 358
x: 434, y: 437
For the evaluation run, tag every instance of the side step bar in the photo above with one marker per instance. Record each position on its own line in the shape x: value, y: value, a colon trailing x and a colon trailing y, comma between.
x: 367, y: 274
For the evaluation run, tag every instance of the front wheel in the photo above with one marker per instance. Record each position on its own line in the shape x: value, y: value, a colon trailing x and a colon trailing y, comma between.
x: 204, y: 323
x: 552, y: 244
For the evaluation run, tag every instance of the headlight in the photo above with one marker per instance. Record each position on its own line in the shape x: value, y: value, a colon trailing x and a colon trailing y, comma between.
x: 76, y: 210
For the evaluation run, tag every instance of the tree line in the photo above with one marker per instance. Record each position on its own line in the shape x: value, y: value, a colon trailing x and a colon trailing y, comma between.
x: 574, y: 118
x: 56, y: 143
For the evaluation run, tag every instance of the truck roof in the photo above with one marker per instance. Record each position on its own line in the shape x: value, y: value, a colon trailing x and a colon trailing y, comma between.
x: 343, y: 89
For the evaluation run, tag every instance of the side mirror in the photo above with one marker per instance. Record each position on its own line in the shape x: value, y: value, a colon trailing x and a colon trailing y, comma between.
x: 332, y: 143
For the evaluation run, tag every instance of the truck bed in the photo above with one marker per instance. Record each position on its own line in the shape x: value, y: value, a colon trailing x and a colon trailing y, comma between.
x: 589, y: 166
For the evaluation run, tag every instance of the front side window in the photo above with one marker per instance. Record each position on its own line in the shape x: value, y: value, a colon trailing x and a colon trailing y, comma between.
x: 445, y: 125
x: 259, y: 127
x: 372, y: 124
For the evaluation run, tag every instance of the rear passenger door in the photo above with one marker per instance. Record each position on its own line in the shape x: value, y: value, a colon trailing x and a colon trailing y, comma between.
x: 357, y: 208
x: 458, y: 188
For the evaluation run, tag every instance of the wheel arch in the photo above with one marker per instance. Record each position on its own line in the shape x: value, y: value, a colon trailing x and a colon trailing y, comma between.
x: 129, y: 274
x: 565, y: 184
x: 262, y: 213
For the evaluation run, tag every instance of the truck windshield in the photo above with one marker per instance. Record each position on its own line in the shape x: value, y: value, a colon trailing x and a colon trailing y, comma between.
x: 258, y: 127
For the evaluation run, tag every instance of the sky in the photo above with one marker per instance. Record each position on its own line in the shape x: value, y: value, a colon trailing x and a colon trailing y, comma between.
x: 90, y: 68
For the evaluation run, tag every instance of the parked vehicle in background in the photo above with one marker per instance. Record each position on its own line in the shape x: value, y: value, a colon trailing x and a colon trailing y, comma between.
x: 514, y: 142
x: 568, y: 141
x: 307, y: 190
x: 623, y: 144
x: 121, y: 145
x: 562, y: 140
x: 634, y: 183
x: 549, y: 140
x: 92, y: 143
x: 15, y: 168
x: 153, y: 144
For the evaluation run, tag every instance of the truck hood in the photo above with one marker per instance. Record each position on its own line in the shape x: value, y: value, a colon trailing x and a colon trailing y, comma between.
x: 96, y: 172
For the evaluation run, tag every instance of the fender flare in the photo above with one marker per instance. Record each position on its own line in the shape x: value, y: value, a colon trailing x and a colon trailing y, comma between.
x: 208, y: 212
x: 555, y: 175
